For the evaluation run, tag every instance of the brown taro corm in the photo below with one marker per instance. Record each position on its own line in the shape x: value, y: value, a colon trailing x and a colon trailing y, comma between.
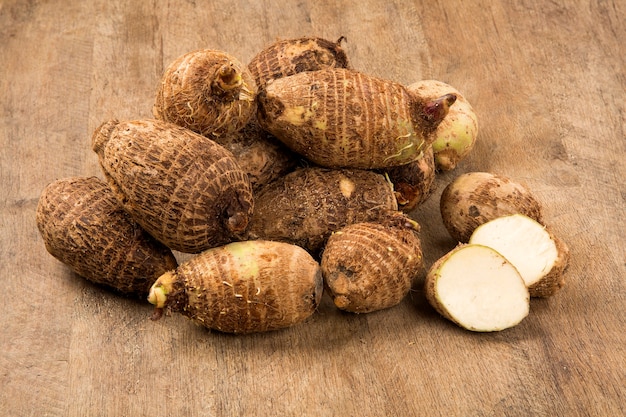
x: 339, y: 118
x: 263, y: 157
x: 291, y: 56
x: 305, y: 206
x: 207, y: 91
x: 371, y: 266
x: 84, y: 226
x: 413, y: 183
x: 474, y: 198
x: 184, y: 189
x: 242, y: 287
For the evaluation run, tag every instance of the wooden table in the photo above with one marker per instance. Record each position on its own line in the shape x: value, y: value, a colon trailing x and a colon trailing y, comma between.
x: 548, y: 82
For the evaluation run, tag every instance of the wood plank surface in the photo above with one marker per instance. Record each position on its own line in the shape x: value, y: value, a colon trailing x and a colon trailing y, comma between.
x: 548, y: 82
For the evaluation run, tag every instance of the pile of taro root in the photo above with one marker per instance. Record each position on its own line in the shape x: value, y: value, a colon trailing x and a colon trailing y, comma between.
x: 290, y: 177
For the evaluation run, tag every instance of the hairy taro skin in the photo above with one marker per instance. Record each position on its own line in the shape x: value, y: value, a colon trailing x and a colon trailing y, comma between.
x: 371, y: 266
x: 305, y: 206
x: 207, y: 91
x: 474, y: 198
x: 245, y: 287
x: 291, y: 56
x: 413, y: 183
x: 83, y: 226
x: 184, y: 189
x: 339, y: 118
x: 263, y: 157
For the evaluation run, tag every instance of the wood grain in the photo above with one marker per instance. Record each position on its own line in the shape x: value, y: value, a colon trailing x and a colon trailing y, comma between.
x: 548, y: 83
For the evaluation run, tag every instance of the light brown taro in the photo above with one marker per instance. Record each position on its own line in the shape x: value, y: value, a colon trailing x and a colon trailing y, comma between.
x: 243, y: 287
x: 340, y: 118
x: 207, y: 91
x: 371, y: 266
x: 474, y: 198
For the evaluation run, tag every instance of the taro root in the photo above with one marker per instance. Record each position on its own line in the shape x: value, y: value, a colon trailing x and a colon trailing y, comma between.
x: 477, y: 288
x: 207, y: 91
x: 291, y: 56
x: 340, y: 118
x: 413, y: 183
x: 456, y: 134
x: 83, y: 225
x: 184, y: 189
x: 371, y: 266
x: 243, y: 287
x: 540, y: 257
x: 474, y: 198
x: 263, y: 157
x: 305, y: 206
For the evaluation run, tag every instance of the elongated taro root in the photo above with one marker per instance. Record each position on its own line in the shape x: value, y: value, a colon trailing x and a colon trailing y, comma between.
x: 305, y: 206
x: 477, y: 288
x: 340, y: 118
x: 184, y: 189
x: 474, y: 198
x: 263, y: 157
x: 243, y: 287
x: 371, y: 266
x: 413, y: 183
x: 456, y: 134
x: 83, y: 225
x: 291, y: 56
x: 207, y: 91
x: 540, y: 257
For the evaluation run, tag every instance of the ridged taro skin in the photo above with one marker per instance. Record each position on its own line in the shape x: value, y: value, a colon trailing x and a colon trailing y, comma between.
x: 184, y: 189
x: 340, y: 118
x: 372, y: 266
x: 474, y: 198
x: 243, y: 287
x: 207, y: 91
x: 83, y: 226
x: 305, y: 206
x: 291, y: 56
